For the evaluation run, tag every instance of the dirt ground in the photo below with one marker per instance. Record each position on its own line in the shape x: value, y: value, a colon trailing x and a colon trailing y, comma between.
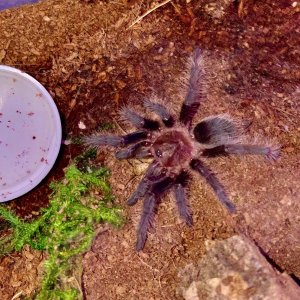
x: 92, y: 61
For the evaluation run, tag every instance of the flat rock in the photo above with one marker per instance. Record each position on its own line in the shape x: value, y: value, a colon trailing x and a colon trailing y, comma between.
x: 235, y: 269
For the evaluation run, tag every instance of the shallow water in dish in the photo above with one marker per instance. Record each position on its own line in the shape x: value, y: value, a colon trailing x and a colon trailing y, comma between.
x: 29, y: 135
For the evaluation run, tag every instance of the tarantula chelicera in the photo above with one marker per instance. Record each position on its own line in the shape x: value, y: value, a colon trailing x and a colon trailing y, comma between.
x: 176, y: 149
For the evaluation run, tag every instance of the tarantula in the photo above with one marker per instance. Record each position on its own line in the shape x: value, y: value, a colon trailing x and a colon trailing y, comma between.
x: 176, y: 149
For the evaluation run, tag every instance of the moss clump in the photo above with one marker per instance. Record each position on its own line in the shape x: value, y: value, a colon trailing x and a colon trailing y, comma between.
x: 65, y: 228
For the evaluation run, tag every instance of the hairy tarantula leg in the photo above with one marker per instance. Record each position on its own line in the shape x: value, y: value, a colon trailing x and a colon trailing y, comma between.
x: 133, y: 151
x: 195, y: 90
x: 114, y: 140
x: 143, y: 185
x: 181, y: 199
x: 214, y: 152
x: 138, y: 121
x: 217, y: 130
x: 271, y: 153
x: 139, y: 192
x: 149, y: 179
x: 161, y: 111
x: 134, y: 137
x: 150, y: 203
x: 213, y: 181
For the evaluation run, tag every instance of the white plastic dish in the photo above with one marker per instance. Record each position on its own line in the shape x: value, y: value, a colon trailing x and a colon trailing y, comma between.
x: 30, y: 133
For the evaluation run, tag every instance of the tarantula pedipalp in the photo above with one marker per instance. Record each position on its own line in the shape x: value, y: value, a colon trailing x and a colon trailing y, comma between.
x: 176, y: 149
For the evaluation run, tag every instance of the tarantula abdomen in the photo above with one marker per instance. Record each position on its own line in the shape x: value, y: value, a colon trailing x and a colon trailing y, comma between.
x: 217, y: 130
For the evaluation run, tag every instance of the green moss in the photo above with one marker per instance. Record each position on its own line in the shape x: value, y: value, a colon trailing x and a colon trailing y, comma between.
x: 65, y: 228
x: 84, y: 160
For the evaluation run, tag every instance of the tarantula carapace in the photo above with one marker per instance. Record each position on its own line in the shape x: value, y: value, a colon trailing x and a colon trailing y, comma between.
x: 176, y: 149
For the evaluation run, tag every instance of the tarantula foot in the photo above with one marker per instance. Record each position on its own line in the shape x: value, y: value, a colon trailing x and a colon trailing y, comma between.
x: 132, y: 200
x: 140, y: 243
x: 188, y: 220
x: 273, y: 153
x: 231, y: 207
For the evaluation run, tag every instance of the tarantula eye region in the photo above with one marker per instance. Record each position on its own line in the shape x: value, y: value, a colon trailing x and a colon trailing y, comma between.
x: 158, y: 153
x: 164, y: 171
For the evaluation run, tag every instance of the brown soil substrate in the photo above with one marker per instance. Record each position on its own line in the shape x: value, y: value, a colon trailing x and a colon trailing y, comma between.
x: 92, y: 62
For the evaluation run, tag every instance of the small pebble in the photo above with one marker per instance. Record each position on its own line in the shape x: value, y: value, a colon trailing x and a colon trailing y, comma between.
x: 81, y: 125
x: 46, y: 19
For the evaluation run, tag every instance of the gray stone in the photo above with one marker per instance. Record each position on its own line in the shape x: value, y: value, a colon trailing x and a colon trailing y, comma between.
x: 235, y: 269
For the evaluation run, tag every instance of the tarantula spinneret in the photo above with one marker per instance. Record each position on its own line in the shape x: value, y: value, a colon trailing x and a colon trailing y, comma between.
x: 176, y: 149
